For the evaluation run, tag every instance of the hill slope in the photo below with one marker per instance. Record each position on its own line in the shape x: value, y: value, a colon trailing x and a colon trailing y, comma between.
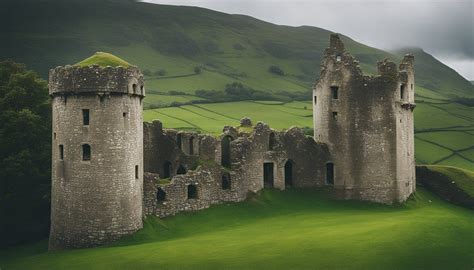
x: 174, y: 40
x: 294, y: 229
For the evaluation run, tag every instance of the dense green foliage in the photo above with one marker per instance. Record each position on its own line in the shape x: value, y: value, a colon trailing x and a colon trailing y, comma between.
x: 103, y: 59
x: 294, y: 229
x: 25, y: 154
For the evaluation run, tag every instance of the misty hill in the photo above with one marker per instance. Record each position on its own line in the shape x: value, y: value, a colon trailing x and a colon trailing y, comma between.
x: 169, y: 42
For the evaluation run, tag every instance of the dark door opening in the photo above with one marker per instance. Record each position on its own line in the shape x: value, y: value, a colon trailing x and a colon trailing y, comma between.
x: 160, y: 195
x: 192, y: 192
x: 166, y: 169
x: 330, y: 173
x: 289, y: 173
x: 268, y: 175
x: 181, y: 170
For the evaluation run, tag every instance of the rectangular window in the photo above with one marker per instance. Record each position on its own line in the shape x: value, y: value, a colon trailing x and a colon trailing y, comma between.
x: 334, y: 92
x: 61, y: 152
x: 330, y: 173
x: 315, y: 100
x: 334, y: 115
x: 136, y: 172
x: 402, y: 92
x: 85, y: 117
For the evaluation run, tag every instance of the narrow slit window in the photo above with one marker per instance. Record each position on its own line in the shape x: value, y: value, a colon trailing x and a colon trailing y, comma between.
x: 330, y: 173
x: 85, y: 117
x: 334, y: 115
x: 61, y: 152
x: 334, y: 92
x: 315, y: 100
x: 136, y: 172
x: 86, y: 152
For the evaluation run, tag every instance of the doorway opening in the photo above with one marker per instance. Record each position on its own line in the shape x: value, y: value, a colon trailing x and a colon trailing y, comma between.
x: 268, y: 174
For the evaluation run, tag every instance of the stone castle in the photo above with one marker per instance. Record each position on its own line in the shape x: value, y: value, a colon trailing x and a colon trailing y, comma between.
x: 110, y: 169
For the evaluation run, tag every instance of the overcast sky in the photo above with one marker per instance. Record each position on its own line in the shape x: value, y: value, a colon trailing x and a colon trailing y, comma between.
x: 443, y: 28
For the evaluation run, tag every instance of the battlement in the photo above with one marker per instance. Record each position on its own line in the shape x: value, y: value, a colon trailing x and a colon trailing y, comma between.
x: 73, y: 80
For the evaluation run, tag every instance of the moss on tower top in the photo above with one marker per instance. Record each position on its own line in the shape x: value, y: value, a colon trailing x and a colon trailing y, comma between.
x: 103, y: 59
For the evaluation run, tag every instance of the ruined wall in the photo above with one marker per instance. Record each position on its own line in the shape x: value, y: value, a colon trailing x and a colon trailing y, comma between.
x: 98, y: 200
x: 361, y: 126
x: 218, y: 181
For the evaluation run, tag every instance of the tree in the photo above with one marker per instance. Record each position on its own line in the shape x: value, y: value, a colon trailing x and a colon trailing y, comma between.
x: 25, y: 154
x: 197, y: 70
x: 276, y: 70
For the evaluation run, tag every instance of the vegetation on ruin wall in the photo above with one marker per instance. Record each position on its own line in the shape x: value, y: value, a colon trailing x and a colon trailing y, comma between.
x: 103, y: 59
x: 294, y: 229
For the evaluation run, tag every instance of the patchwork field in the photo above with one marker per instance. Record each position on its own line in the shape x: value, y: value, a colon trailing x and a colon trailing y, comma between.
x: 295, y: 229
x: 444, y: 131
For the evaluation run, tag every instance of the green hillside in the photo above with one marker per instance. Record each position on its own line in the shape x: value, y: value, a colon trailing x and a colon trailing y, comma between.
x: 444, y: 132
x: 170, y: 41
x: 295, y: 229
x: 185, y: 49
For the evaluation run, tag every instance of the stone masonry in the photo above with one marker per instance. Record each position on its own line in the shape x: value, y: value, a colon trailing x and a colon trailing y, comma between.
x: 363, y: 147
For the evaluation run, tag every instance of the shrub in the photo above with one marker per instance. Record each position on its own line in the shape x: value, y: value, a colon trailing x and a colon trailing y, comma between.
x: 276, y: 70
x: 197, y: 70
x: 146, y: 72
x: 160, y: 72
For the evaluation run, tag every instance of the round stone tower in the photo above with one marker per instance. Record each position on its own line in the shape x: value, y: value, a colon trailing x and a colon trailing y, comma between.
x: 97, y: 154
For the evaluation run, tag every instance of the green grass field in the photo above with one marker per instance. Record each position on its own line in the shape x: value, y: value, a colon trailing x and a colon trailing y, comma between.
x: 294, y: 229
x: 443, y: 132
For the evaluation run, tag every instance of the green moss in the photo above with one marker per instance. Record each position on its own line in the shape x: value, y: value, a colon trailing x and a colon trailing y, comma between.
x: 164, y: 182
x: 103, y: 59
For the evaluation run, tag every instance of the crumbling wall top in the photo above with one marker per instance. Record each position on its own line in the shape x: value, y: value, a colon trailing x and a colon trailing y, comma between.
x: 96, y: 79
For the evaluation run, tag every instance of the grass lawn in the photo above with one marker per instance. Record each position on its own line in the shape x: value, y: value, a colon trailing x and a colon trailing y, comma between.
x: 295, y: 229
x: 442, y: 130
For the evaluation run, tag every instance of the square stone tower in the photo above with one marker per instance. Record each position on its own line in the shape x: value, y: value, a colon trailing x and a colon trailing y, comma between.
x: 367, y: 123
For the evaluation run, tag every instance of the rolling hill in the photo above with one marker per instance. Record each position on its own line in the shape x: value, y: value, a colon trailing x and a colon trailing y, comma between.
x: 47, y: 33
x: 169, y: 42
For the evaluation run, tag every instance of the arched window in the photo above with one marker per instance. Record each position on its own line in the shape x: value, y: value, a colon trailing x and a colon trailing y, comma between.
x: 271, y: 141
x: 330, y: 173
x: 226, y: 181
x: 160, y: 195
x: 86, y: 152
x: 166, y: 169
x: 178, y: 140
x: 191, y: 146
x: 225, y: 151
x: 334, y: 92
x: 181, y: 170
x: 402, y: 92
x: 289, y: 173
x: 192, y: 192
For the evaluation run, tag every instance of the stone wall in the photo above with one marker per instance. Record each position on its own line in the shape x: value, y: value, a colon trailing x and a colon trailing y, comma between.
x: 298, y: 161
x: 367, y: 126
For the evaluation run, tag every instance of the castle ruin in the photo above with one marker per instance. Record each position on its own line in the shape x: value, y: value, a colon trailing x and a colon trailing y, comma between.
x: 110, y: 170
